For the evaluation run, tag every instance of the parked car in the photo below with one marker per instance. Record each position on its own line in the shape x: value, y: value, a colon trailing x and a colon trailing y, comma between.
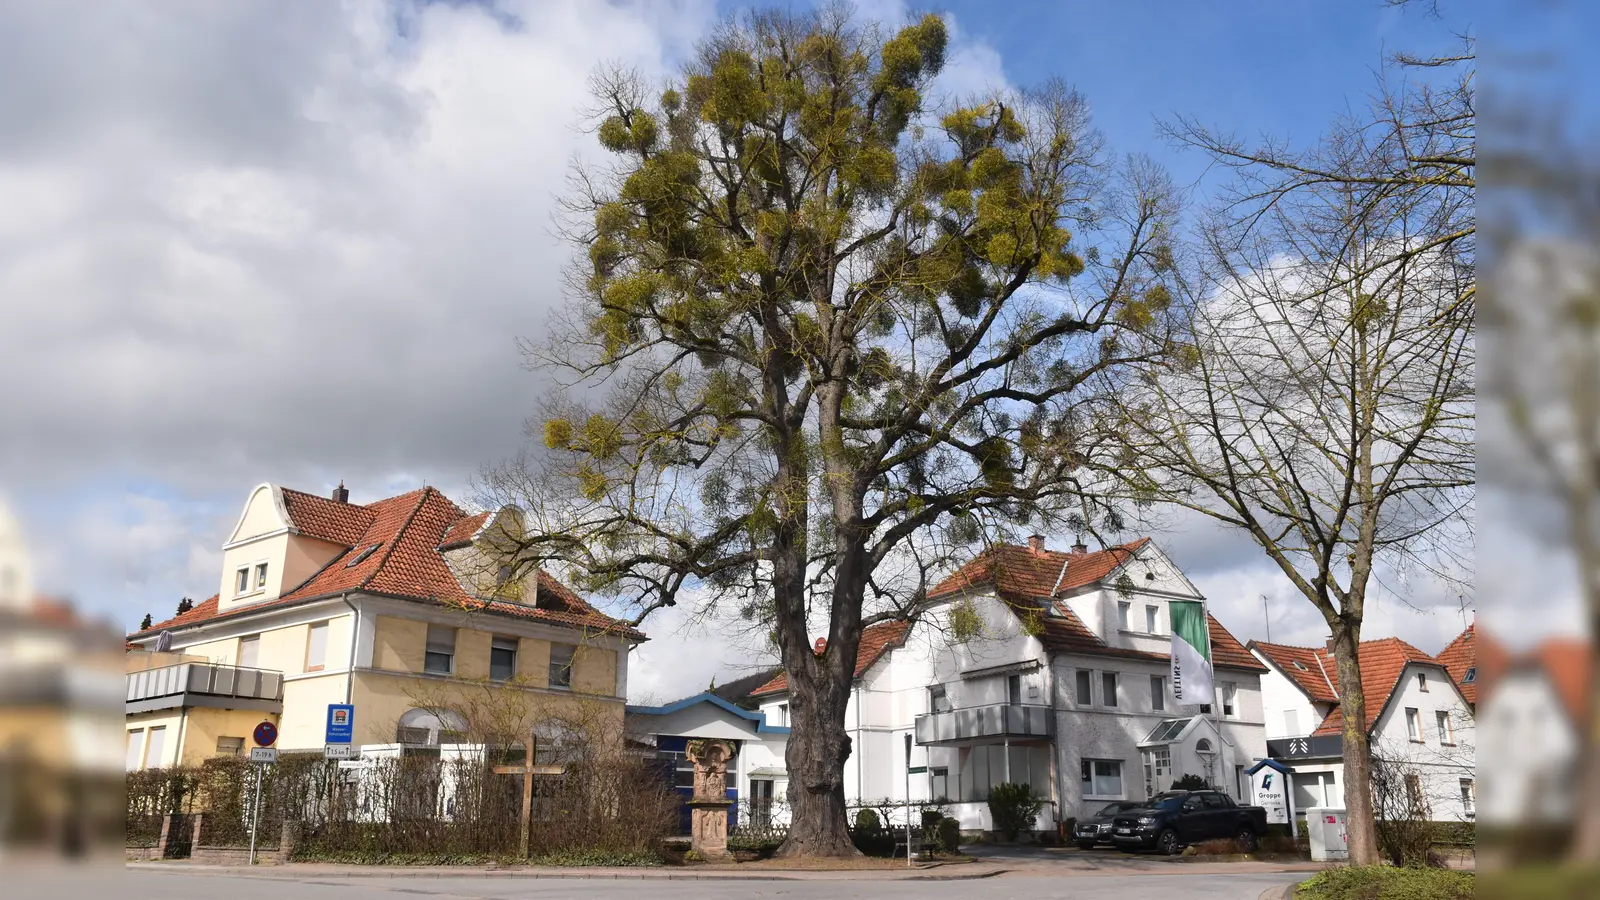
x: 1096, y: 829
x: 1175, y: 819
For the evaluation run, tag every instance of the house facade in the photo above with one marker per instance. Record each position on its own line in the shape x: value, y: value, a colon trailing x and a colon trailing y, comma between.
x: 1048, y: 668
x: 1533, y: 710
x: 758, y: 778
x: 406, y: 608
x: 1419, y: 722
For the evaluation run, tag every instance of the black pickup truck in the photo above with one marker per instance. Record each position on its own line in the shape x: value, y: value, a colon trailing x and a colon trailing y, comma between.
x: 1178, y: 818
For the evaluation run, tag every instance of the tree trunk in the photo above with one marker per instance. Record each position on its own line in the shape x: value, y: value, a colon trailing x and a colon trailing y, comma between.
x: 1586, y: 831
x: 1361, y: 830
x: 815, y: 755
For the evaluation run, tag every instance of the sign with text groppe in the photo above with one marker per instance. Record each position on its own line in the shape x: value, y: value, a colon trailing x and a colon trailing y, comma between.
x: 1270, y: 791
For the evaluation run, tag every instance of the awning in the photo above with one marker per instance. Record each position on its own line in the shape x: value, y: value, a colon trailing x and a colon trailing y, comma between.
x: 769, y: 772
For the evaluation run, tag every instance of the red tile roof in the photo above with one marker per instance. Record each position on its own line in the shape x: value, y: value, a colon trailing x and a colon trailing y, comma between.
x: 1310, y: 668
x: 1382, y: 663
x: 407, y: 532
x: 1034, y: 574
x: 1568, y: 665
x: 876, y: 640
x: 463, y: 530
x: 1460, y: 655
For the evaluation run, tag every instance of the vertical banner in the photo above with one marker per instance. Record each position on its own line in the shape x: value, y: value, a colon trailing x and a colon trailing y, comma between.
x: 1191, y: 654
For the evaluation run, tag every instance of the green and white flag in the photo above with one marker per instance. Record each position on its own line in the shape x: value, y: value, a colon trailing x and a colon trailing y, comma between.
x: 1191, y: 654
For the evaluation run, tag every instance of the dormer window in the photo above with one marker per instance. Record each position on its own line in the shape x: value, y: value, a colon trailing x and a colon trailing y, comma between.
x: 261, y: 576
x: 1471, y: 676
x: 361, y: 557
x: 1301, y: 666
x: 241, y: 581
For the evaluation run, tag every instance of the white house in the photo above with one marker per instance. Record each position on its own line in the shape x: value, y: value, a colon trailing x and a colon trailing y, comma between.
x: 1530, y: 741
x: 1418, y: 721
x: 757, y: 776
x: 1049, y: 668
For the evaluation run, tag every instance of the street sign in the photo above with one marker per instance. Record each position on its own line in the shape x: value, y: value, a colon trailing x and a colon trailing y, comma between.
x: 266, y: 734
x: 917, y: 770
x: 264, y: 755
x: 341, y: 723
x: 357, y: 763
x: 339, y: 751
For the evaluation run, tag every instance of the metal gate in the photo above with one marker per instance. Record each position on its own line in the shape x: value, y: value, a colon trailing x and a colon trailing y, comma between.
x: 180, y: 837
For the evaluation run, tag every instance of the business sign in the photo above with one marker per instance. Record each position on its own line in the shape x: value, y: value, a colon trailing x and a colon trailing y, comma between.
x: 341, y: 723
x: 266, y: 734
x: 1270, y: 792
x: 264, y: 755
x: 339, y: 751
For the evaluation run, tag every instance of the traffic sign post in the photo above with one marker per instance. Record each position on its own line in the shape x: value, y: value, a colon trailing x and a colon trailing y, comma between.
x: 338, y: 751
x: 908, y: 799
x: 263, y: 755
x: 337, y: 742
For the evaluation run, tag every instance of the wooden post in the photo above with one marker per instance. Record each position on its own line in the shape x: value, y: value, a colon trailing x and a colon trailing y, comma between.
x: 527, y: 770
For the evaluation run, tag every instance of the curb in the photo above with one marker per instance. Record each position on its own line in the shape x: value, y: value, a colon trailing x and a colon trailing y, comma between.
x: 287, y: 873
x: 1282, y: 892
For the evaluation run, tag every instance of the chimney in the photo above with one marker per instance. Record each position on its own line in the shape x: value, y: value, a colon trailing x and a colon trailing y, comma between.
x: 1036, y: 543
x: 820, y: 646
x: 1080, y: 548
x: 340, y: 494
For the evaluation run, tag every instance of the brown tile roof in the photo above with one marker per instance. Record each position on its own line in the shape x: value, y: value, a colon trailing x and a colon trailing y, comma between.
x: 876, y: 640
x: 1568, y: 665
x: 1029, y: 573
x: 407, y: 531
x: 1382, y: 663
x: 1311, y: 668
x: 1460, y: 655
x: 463, y: 530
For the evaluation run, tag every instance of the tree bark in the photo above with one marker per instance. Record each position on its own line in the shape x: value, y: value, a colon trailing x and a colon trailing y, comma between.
x: 1586, y: 829
x: 817, y: 748
x: 1360, y: 827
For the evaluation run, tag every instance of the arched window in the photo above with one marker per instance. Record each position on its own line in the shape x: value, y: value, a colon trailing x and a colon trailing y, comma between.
x: 429, y: 728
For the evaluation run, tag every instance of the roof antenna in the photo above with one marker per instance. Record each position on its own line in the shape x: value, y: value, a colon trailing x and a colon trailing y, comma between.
x: 1266, y: 618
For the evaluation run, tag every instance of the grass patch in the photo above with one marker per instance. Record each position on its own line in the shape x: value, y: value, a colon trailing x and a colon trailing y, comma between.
x: 1541, y: 883
x: 1387, y: 883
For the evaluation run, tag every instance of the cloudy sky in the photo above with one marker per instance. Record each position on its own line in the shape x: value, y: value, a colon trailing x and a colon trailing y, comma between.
x: 297, y: 242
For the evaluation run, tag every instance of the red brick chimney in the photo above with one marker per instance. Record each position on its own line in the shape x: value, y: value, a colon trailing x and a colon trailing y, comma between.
x: 1036, y: 543
x: 340, y: 494
x: 1080, y: 548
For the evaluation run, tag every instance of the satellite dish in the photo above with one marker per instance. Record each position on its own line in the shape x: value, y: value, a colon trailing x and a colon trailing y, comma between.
x: 164, y: 642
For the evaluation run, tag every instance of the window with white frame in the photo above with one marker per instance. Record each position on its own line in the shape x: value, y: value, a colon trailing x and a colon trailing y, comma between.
x: 1447, y: 732
x: 135, y: 748
x: 561, y: 665
x: 1291, y: 722
x: 241, y: 581
x: 1422, y: 682
x: 1108, y: 688
x: 1151, y: 616
x: 1101, y: 777
x: 939, y: 783
x: 1469, y: 797
x: 230, y: 746
x: 440, y: 655
x: 783, y: 714
x: 1229, y: 694
x: 938, y: 699
x: 1014, y: 690
x: 1158, y: 692
x: 1084, y: 679
x: 1124, y: 612
x: 155, y: 749
x: 1414, y: 724
x: 503, y: 659
x: 261, y: 576
x: 316, y: 647
x: 250, y: 651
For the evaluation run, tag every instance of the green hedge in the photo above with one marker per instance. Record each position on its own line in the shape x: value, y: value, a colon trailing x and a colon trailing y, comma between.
x: 1387, y: 883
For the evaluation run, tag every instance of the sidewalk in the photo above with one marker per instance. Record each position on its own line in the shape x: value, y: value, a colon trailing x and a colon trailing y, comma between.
x: 307, y: 871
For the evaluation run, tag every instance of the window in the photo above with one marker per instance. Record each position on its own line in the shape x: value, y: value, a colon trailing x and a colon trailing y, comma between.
x: 1158, y: 692
x: 135, y: 749
x: 1469, y: 797
x: 250, y: 651
x: 1422, y: 682
x: 783, y: 714
x: 1108, y: 688
x: 1082, y: 695
x: 1014, y: 690
x: 939, y: 786
x: 1150, y: 614
x: 316, y: 647
x: 1229, y: 690
x: 440, y: 655
x: 1291, y: 722
x: 241, y: 581
x: 1301, y: 666
x: 938, y: 700
x: 261, y: 576
x: 1414, y: 724
x: 1241, y: 784
x: 155, y: 749
x: 561, y: 665
x: 361, y: 557
x: 1471, y: 676
x: 1414, y: 795
x: 1102, y: 777
x: 1216, y: 801
x: 230, y: 746
x: 1447, y: 733
x: 1193, y: 803
x: 1124, y: 610
x: 503, y: 659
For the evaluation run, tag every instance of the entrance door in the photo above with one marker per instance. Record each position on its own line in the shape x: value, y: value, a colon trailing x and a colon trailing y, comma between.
x: 761, y: 794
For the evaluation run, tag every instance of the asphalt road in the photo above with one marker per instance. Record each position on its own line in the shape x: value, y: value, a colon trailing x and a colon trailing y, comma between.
x: 144, y: 885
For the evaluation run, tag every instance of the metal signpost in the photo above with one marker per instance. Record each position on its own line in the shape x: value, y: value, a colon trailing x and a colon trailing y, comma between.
x: 265, y: 735
x: 908, y: 799
x: 338, y: 743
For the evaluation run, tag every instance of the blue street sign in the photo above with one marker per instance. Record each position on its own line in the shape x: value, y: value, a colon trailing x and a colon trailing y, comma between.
x: 341, y: 723
x: 266, y: 734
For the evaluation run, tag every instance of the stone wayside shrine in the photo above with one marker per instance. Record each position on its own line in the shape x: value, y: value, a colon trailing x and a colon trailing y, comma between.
x: 709, y: 806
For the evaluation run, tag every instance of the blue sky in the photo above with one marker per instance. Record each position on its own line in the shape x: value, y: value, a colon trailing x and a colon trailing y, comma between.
x: 288, y: 243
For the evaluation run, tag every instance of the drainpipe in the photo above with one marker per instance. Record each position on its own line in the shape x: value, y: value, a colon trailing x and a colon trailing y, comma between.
x: 355, y: 638
x: 856, y: 749
x: 1055, y: 749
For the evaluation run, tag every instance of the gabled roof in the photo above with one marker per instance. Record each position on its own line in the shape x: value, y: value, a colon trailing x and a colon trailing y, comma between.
x: 1458, y: 657
x: 876, y: 640
x: 1382, y: 663
x: 1311, y: 669
x: 1035, y: 574
x: 404, y: 535
x: 759, y: 718
x: 1568, y: 664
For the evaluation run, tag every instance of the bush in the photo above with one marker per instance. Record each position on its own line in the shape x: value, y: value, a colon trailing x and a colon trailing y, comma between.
x: 1539, y: 883
x: 948, y: 833
x: 1387, y: 883
x: 867, y: 821
x: 1013, y: 807
x: 1190, y: 783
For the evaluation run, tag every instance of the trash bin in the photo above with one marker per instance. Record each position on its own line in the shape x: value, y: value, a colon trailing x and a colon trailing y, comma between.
x: 1325, y: 829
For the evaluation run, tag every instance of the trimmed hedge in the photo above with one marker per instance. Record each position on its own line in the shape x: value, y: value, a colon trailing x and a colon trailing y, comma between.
x: 1387, y: 883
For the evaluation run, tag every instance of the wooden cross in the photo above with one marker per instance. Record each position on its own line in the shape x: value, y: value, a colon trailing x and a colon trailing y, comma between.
x: 527, y: 770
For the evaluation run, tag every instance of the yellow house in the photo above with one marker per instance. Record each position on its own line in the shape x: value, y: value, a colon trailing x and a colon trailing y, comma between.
x: 405, y: 608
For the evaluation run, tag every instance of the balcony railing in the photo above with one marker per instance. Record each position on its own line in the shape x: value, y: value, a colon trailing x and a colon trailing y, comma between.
x: 203, y: 684
x: 1001, y: 720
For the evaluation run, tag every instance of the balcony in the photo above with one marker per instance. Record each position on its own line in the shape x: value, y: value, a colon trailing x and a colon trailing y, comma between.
x: 203, y: 684
x: 1001, y: 720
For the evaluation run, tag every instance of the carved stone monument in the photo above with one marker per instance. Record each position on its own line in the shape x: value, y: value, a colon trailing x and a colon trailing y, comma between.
x: 709, y: 806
